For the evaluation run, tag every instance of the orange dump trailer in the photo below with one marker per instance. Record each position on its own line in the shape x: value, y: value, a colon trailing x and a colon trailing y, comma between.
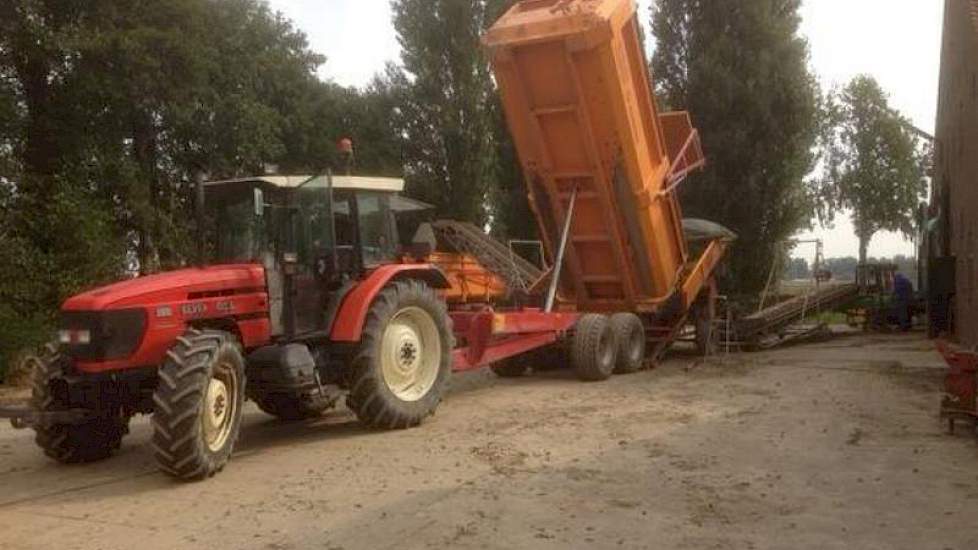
x: 579, y: 103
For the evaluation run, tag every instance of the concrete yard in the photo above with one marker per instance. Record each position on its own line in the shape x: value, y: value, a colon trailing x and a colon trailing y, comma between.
x: 832, y: 445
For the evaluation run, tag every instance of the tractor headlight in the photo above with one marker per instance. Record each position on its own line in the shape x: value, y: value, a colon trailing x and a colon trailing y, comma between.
x: 80, y: 337
x: 101, y: 335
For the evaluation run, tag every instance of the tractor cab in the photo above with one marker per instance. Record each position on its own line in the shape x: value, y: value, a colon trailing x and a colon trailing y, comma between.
x: 315, y: 236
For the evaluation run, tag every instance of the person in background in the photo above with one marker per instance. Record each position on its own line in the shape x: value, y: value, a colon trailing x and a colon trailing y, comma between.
x: 902, y: 301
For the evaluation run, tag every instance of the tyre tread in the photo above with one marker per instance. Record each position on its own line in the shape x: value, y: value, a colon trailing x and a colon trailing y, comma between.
x: 369, y: 398
x: 177, y: 447
x: 94, y: 440
x: 589, y: 333
x: 622, y: 324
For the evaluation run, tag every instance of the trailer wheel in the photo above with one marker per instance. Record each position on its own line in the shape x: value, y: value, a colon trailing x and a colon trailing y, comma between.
x: 704, y: 314
x: 93, y: 440
x: 198, y: 402
x: 706, y: 334
x: 630, y: 337
x: 593, y: 348
x: 291, y: 407
x: 401, y: 369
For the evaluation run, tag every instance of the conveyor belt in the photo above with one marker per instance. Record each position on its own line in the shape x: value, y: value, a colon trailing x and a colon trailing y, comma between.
x: 780, y: 316
x: 466, y: 238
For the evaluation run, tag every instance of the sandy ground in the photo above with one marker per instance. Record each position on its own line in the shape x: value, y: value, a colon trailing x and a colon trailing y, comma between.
x: 834, y: 445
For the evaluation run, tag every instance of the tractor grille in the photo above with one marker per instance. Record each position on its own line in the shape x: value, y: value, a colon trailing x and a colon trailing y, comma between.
x: 115, y: 334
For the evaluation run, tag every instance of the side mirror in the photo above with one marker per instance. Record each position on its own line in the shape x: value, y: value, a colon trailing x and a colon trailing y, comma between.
x: 290, y: 262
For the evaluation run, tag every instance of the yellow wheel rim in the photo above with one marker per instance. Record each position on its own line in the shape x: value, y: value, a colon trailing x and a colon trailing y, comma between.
x: 220, y: 407
x: 411, y: 354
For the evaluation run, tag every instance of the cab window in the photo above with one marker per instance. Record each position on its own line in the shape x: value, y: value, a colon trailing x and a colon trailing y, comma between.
x: 374, y: 218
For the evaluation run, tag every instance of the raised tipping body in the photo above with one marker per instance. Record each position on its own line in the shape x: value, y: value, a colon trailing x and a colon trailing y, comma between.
x: 578, y: 99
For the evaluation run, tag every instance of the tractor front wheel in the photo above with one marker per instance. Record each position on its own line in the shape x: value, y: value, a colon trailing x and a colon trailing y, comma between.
x: 94, y: 439
x: 400, y: 371
x: 198, y: 404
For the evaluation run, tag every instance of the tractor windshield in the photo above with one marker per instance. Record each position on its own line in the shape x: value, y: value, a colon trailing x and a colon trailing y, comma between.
x: 324, y: 228
x: 240, y: 231
x: 357, y: 226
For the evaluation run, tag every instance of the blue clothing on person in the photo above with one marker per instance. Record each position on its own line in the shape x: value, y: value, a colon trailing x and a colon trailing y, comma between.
x: 902, y: 297
x: 902, y: 288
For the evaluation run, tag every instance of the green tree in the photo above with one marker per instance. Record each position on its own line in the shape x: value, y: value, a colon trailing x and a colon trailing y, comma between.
x: 107, y: 110
x: 874, y: 166
x: 842, y: 269
x: 740, y: 67
x: 444, y: 95
x: 512, y: 217
x: 796, y: 268
x: 366, y: 118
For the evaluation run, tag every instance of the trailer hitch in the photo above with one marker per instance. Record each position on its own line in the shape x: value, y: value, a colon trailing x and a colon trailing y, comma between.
x: 21, y: 418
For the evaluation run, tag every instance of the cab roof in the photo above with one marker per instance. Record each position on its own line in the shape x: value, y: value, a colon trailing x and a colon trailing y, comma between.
x: 392, y: 185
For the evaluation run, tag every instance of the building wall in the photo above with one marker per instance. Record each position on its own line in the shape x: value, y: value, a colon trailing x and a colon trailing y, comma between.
x: 956, y: 174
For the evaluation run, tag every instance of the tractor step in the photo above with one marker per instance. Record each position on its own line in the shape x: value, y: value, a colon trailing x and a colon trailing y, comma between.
x: 25, y: 417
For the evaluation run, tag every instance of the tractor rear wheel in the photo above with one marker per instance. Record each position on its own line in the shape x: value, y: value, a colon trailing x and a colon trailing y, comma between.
x: 400, y: 371
x: 593, y: 348
x: 95, y: 439
x: 291, y: 407
x: 630, y: 337
x: 198, y: 402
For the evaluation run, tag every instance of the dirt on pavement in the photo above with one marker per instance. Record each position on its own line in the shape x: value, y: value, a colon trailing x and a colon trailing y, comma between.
x: 833, y: 445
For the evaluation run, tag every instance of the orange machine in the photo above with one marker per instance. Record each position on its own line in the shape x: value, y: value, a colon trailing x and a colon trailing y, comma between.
x: 469, y: 281
x: 578, y: 99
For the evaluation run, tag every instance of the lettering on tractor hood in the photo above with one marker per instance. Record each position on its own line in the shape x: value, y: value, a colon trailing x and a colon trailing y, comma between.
x: 171, y: 287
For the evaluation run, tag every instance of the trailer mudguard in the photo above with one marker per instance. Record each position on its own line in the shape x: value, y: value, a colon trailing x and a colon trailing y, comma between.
x: 348, y: 325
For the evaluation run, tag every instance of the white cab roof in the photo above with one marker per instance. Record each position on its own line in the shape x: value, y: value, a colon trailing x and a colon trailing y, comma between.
x: 394, y: 185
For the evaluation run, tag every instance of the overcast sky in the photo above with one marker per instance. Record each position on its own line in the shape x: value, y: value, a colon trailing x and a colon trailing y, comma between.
x: 897, y: 41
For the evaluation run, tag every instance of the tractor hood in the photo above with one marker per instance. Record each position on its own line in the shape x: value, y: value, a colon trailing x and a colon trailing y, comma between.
x: 170, y: 287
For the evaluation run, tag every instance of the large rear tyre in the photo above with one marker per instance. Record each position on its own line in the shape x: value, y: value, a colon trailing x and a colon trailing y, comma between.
x: 93, y: 440
x: 593, y: 348
x: 198, y: 404
x: 401, y: 369
x: 291, y: 407
x: 630, y: 339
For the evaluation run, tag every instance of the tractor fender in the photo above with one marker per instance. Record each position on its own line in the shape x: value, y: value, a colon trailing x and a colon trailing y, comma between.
x: 348, y: 325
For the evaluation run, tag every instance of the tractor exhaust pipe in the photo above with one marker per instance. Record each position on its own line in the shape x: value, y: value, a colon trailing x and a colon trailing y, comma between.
x: 199, y: 218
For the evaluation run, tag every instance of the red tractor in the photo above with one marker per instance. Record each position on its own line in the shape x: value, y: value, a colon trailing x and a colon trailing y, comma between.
x: 307, y: 296
x: 304, y: 295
